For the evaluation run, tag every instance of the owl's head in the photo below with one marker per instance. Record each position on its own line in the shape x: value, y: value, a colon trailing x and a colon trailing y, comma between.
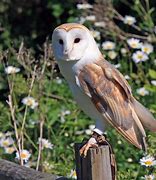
x: 72, y: 41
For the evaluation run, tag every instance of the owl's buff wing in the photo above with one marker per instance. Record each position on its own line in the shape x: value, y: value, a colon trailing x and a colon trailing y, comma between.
x: 112, y: 96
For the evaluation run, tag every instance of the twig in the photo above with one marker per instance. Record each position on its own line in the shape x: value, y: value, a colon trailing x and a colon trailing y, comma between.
x: 40, y: 144
x: 121, y: 18
x: 20, y: 50
x: 12, y: 110
x: 26, y: 108
x: 60, y: 98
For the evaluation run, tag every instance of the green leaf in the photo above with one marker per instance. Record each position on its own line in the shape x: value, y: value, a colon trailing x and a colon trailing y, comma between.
x: 152, y: 73
x: 57, y: 10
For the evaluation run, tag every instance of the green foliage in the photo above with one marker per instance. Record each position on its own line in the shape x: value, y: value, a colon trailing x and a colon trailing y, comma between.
x: 57, y: 116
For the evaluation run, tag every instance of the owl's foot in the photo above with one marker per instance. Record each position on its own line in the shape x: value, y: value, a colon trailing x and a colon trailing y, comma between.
x: 93, y: 142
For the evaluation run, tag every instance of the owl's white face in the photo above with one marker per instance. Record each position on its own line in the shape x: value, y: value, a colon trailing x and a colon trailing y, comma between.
x: 70, y: 43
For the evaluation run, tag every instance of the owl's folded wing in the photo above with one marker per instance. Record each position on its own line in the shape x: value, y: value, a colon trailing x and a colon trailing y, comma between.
x: 111, y: 95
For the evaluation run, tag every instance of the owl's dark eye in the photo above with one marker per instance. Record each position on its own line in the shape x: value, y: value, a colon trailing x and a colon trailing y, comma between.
x: 61, y: 41
x: 77, y: 40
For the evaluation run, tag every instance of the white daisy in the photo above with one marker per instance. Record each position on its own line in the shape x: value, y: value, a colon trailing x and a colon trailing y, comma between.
x: 66, y: 134
x: 9, y: 133
x: 117, y: 65
x: 134, y: 43
x: 90, y: 18
x: 79, y: 132
x: 153, y: 82
x: 45, y: 143
x: 123, y: 51
x: 100, y: 24
x: 47, y: 165
x: 5, y: 142
x: 119, y: 142
x: 2, y: 135
x: 148, y: 161
x: 112, y: 54
x: 66, y: 112
x: 139, y: 56
x: 73, y: 174
x: 129, y: 20
x: 127, y: 77
x: 147, y: 48
x: 96, y: 34
x: 63, y: 114
x: 142, y: 91
x: 24, y: 155
x: 91, y: 127
x: 11, y: 70
x: 9, y: 150
x: 30, y: 101
x: 129, y: 160
x: 88, y: 131
x: 108, y: 45
x: 58, y: 80
x: 149, y: 177
x: 81, y: 20
x: 84, y: 6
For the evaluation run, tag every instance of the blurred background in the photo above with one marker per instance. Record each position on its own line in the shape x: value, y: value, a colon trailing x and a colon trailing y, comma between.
x: 36, y: 105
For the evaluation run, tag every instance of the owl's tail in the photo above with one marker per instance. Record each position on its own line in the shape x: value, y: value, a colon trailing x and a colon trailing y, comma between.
x: 146, y: 118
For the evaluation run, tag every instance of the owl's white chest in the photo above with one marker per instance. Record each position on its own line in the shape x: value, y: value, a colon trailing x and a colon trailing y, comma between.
x: 80, y: 97
x: 85, y: 102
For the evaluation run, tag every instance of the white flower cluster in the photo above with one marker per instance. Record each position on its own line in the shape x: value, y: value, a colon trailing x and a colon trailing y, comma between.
x: 142, y: 54
x: 24, y: 155
x: 30, y: 101
x: 84, y: 6
x: 109, y: 46
x: 11, y: 70
x: 63, y: 113
x: 129, y: 20
x: 148, y: 161
x: 7, y: 142
x: 149, y: 177
x: 73, y: 174
x: 45, y: 143
x: 142, y: 91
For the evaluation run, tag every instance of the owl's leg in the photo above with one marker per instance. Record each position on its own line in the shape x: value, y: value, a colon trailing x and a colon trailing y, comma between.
x: 94, y: 142
x: 91, y: 143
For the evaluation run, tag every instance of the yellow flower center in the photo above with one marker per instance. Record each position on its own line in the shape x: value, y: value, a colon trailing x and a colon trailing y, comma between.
x: 149, y: 163
x: 10, y: 150
x: 23, y: 155
x: 5, y: 143
x: 134, y: 45
x: 109, y: 46
x: 29, y: 102
x: 146, y: 49
x: 12, y: 71
x: 140, y: 56
x: 149, y: 178
x: 142, y: 93
x: 129, y: 21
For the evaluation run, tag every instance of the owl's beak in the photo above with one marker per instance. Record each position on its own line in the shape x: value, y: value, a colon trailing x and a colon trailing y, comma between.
x: 67, y: 47
x: 65, y: 51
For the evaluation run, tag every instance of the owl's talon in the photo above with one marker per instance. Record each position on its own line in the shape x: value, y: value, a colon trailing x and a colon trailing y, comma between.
x: 85, y: 148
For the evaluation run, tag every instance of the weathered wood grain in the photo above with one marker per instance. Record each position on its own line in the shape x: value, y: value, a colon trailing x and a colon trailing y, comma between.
x: 12, y: 171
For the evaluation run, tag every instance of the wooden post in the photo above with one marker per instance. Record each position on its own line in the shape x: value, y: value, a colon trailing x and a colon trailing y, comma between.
x: 96, y: 165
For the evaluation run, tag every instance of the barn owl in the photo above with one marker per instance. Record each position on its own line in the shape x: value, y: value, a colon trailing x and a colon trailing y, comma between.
x: 100, y: 90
